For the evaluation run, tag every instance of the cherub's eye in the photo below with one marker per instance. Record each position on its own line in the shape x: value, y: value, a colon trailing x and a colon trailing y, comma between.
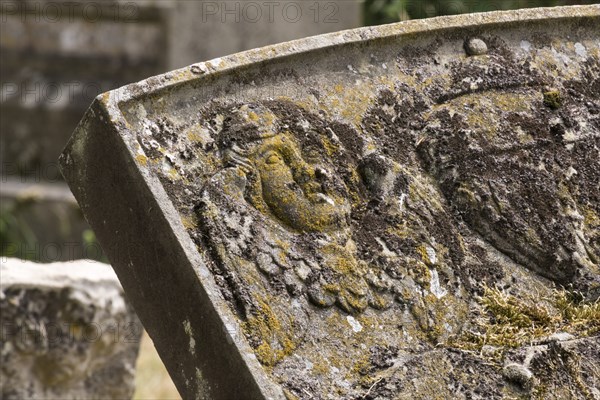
x: 273, y: 158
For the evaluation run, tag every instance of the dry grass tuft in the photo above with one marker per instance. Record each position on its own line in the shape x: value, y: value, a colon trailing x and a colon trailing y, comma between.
x: 508, y: 321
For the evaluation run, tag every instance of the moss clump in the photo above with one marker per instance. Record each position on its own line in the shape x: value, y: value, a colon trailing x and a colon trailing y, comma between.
x: 273, y: 342
x: 590, y: 218
x: 419, y: 270
x: 552, y: 99
x: 512, y: 322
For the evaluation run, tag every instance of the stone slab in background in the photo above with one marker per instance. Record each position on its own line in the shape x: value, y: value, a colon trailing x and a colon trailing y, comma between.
x: 356, y: 215
x: 67, y: 332
x: 218, y: 28
x: 56, y: 57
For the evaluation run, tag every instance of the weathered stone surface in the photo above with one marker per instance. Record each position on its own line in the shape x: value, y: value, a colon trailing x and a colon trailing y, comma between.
x: 387, y: 212
x: 67, y: 332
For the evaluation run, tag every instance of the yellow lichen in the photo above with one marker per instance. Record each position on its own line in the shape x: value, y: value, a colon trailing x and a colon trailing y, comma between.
x: 276, y: 343
x: 321, y: 367
x: 142, y: 159
x: 189, y: 222
x: 590, y: 218
x: 330, y: 148
x: 552, y: 99
x: 422, y: 250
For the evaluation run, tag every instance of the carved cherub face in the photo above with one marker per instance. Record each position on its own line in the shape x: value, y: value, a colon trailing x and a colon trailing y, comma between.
x: 280, y: 182
x: 292, y: 189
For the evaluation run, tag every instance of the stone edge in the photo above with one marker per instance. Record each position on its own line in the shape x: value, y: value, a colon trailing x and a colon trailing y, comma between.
x: 217, y: 66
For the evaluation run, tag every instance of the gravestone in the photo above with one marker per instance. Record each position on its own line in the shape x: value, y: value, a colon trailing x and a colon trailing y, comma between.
x: 67, y: 332
x: 404, y: 211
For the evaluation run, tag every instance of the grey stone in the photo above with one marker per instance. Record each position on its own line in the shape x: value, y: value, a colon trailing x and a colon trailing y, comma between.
x: 336, y: 217
x: 67, y: 332
x: 560, y: 337
x: 476, y: 47
x: 518, y: 374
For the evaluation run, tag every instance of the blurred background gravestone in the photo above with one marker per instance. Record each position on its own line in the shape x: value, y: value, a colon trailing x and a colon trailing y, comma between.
x: 67, y: 332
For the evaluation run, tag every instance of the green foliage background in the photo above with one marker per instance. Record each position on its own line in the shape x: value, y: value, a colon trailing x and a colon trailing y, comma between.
x: 19, y: 236
x: 387, y: 11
